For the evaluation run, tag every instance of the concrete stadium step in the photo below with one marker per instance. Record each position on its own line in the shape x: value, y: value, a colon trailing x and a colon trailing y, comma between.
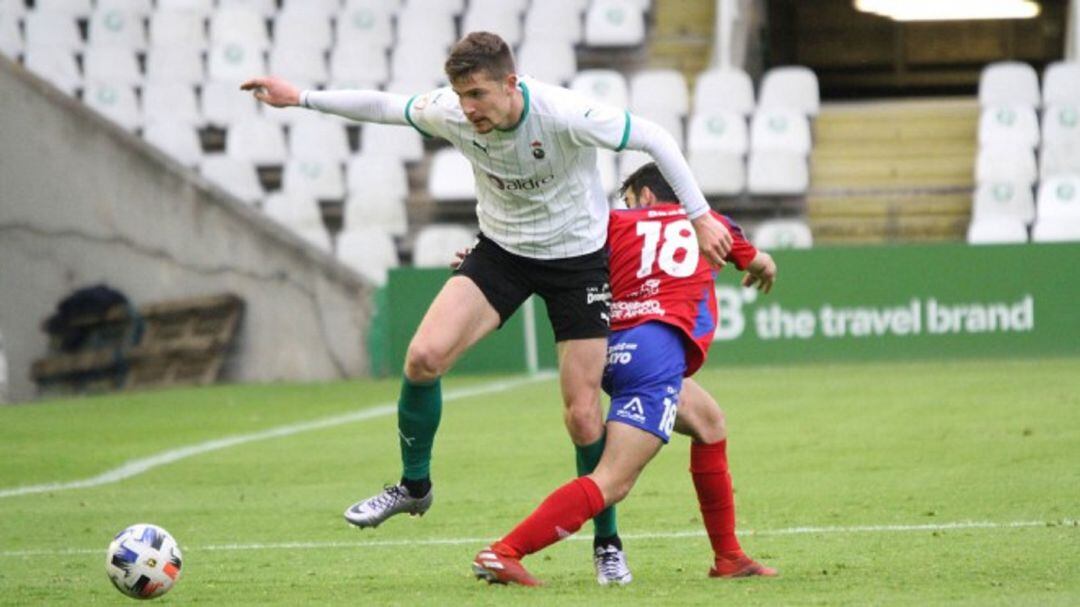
x: 682, y: 35
x: 957, y: 204
x: 862, y: 173
x: 863, y: 230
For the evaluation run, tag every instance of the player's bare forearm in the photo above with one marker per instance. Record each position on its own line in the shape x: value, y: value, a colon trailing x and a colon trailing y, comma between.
x: 273, y: 91
x: 760, y: 272
x: 713, y: 238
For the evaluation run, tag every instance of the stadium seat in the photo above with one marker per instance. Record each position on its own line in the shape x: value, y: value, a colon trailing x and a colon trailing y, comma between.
x: 367, y: 23
x: 176, y: 29
x: 999, y: 230
x: 724, y: 89
x: 178, y: 140
x: 548, y: 60
x: 297, y: 30
x: 1056, y: 231
x: 670, y: 122
x: 115, y: 27
x: 13, y: 8
x: 780, y: 129
x: 502, y: 18
x: 263, y: 8
x: 718, y: 131
x: 373, y: 176
x: 300, y: 64
x: 56, y: 65
x: 602, y: 85
x: 553, y: 22
x: 368, y: 250
x: 11, y: 40
x: 1009, y: 125
x: 630, y: 161
x: 358, y: 65
x: 222, y: 106
x: 115, y: 64
x: 234, y: 175
x: 1008, y: 83
x: 399, y: 142
x: 436, y: 8
x: 257, y: 140
x: 301, y: 215
x: 313, y: 134
x: 142, y: 8
x: 773, y: 234
x: 170, y: 102
x: 80, y: 9
x: 234, y: 62
x: 614, y: 23
x: 659, y: 90
x: 451, y: 176
x: 1061, y: 84
x: 57, y: 30
x: 718, y: 173
x: 777, y: 173
x: 323, y: 8
x: 420, y: 62
x: 791, y: 87
x: 1061, y: 125
x: 116, y: 101
x: 1059, y: 160
x: 1059, y: 198
x: 409, y: 86
x: 1005, y: 162
x: 435, y: 28
x: 316, y: 176
x: 436, y: 244
x: 607, y: 164
x: 366, y: 209
x: 1003, y: 199
x: 517, y: 6
x: 239, y: 25
x: 201, y: 7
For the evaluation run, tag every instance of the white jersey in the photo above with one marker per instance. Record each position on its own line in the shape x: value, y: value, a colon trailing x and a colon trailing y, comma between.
x: 537, y: 186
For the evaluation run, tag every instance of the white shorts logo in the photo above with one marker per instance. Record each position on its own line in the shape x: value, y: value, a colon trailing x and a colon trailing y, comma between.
x: 632, y: 410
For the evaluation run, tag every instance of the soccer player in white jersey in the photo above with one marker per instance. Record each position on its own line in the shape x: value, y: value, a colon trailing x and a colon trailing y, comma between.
x: 543, y: 219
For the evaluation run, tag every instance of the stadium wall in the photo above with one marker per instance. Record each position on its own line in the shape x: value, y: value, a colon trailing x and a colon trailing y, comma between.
x: 843, y: 304
x: 83, y: 202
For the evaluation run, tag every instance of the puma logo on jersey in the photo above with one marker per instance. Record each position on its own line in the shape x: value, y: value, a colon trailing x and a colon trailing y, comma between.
x: 483, y: 148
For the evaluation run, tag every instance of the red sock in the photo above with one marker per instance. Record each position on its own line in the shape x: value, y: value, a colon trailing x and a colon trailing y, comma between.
x: 558, y: 516
x: 709, y: 467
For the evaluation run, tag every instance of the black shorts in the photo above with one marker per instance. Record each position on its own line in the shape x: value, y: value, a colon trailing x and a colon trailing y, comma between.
x: 575, y: 289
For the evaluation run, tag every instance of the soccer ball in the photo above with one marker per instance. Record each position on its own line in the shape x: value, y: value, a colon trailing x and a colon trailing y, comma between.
x: 143, y: 561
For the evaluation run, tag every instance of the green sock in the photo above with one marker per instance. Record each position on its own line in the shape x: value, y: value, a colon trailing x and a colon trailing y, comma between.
x: 419, y: 411
x: 587, y: 458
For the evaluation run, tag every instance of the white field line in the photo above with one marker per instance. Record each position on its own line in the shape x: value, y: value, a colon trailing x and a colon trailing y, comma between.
x: 477, y: 541
x: 141, y: 465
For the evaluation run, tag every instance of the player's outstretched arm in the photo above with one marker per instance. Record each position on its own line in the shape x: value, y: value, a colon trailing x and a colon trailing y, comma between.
x: 713, y: 238
x: 273, y: 91
x: 761, y: 272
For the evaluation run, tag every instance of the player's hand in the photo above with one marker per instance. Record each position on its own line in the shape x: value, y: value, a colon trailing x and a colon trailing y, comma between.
x: 761, y: 273
x: 273, y: 91
x: 714, y: 239
x: 459, y: 257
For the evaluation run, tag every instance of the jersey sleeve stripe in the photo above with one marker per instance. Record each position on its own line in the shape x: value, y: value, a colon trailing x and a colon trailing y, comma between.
x: 408, y: 106
x: 625, y: 135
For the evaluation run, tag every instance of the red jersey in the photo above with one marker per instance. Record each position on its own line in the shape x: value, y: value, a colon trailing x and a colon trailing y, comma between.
x: 659, y: 274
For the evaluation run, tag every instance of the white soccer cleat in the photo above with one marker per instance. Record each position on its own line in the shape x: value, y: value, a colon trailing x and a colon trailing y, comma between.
x: 611, y: 566
x: 394, y: 499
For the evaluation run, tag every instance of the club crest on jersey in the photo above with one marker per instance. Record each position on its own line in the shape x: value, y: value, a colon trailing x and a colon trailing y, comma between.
x: 538, y: 150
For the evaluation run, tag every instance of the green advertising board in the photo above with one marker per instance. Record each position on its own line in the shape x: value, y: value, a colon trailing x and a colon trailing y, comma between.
x: 832, y: 304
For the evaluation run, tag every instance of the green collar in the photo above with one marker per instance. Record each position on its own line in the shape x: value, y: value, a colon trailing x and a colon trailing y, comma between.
x: 524, y: 112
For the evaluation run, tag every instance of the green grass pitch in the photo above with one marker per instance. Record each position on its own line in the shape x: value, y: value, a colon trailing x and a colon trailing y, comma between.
x: 913, y: 483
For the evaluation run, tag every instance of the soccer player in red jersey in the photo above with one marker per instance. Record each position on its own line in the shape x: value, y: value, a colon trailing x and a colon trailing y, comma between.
x: 663, y: 316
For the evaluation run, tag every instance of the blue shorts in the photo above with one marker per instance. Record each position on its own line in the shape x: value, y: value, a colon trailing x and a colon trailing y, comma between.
x: 644, y: 375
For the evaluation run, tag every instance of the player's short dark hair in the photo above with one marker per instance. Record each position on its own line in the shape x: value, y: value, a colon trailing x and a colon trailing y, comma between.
x: 649, y: 175
x: 480, y: 51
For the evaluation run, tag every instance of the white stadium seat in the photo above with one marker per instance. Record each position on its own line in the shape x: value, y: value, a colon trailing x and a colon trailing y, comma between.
x: 313, y: 134
x: 1056, y: 160
x: 436, y: 244
x: 614, y: 23
x: 435, y: 8
x: 777, y: 173
x: 365, y: 23
x: 303, y: 63
x: 257, y: 140
x: 223, y: 104
x: 398, y: 142
x: 553, y: 21
x: 1009, y: 125
x: 998, y: 230
x: 1061, y: 84
x: 718, y: 131
x: 302, y: 30
x: 234, y: 175
x: 79, y: 9
x: 1005, y: 162
x: 301, y: 215
x: 176, y: 29
x: 143, y: 8
x: 1061, y: 125
x: 200, y: 7
x: 13, y: 8
x: 602, y: 85
x: 672, y: 123
x: 727, y: 89
x: 773, y: 234
x: 115, y: 27
x: 325, y: 8
x: 1003, y: 199
x: 663, y: 89
x: 451, y: 176
x: 503, y: 19
x: 780, y: 129
x: 239, y: 25
x: 794, y: 87
x: 374, y: 176
x: 178, y: 140
x: 115, y: 101
x: 517, y: 6
x: 264, y: 8
x: 630, y: 161
x: 358, y: 65
x: 548, y: 60
x: 388, y: 213
x: 1059, y: 198
x: 170, y: 102
x: 418, y: 26
x: 319, y: 177
x: 115, y: 64
x: 1008, y: 83
x: 370, y: 251
x: 11, y: 40
x: 234, y: 62
x: 55, y: 64
x: 420, y: 62
x: 718, y: 173
x: 1056, y: 231
x: 57, y: 30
